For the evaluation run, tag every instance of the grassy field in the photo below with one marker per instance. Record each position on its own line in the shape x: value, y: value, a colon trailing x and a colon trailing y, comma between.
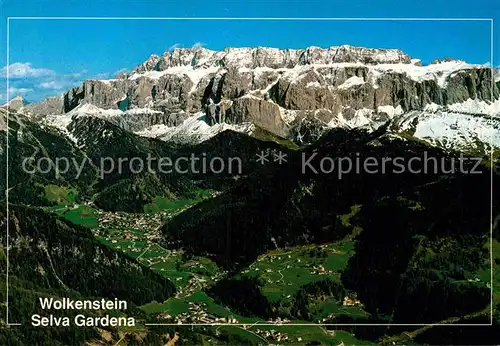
x: 82, y: 215
x: 301, y: 335
x: 484, y: 275
x: 160, y: 203
x: 60, y: 195
x: 283, y: 272
x: 79, y: 214
x: 65, y: 200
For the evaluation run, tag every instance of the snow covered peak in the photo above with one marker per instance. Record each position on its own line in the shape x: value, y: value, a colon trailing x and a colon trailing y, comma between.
x: 437, y: 71
x: 16, y: 103
x: 199, y: 62
x: 149, y: 64
x: 193, y: 130
x: 17, y: 98
x: 90, y: 109
x: 274, y: 89
x: 445, y: 60
x: 270, y: 57
x: 469, y: 125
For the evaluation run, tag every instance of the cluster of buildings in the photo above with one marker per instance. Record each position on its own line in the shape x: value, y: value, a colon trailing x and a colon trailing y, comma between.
x: 147, y: 222
x: 115, y: 227
x: 329, y: 318
x: 351, y: 302
x: 194, y: 283
x: 196, y: 314
x: 278, y: 320
x: 273, y: 335
x: 320, y: 270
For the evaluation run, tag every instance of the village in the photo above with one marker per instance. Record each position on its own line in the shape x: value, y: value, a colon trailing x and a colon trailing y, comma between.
x: 197, y: 313
x: 139, y: 236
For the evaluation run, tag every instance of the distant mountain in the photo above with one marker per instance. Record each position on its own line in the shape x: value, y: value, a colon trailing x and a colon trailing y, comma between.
x: 193, y: 93
x: 50, y: 105
x: 16, y: 103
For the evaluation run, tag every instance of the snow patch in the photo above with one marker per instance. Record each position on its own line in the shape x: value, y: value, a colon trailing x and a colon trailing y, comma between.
x: 193, y: 130
x: 154, y: 131
x: 469, y: 106
x: 360, y: 119
x: 142, y: 111
x: 250, y: 96
x: 336, y: 121
x: 477, y: 106
x: 454, y: 130
x: 351, y: 82
x: 195, y: 74
x: 432, y: 107
x: 438, y: 72
x: 288, y: 115
x: 313, y: 85
x: 391, y: 111
x: 496, y: 74
x: 107, y: 81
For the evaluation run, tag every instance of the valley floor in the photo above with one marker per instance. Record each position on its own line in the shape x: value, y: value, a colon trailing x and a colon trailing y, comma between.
x: 280, y: 273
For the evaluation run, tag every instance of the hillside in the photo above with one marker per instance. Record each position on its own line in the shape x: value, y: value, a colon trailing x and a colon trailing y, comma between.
x: 258, y: 196
x: 427, y: 237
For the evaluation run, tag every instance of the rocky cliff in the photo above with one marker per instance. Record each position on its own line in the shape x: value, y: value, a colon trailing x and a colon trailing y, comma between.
x: 334, y: 79
x: 281, y: 90
x: 16, y: 103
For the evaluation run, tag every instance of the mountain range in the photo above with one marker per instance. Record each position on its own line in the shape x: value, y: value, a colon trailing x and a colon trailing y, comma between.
x: 295, y: 94
x: 273, y: 243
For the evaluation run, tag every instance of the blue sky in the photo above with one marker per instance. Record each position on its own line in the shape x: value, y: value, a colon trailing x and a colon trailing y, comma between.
x: 51, y: 56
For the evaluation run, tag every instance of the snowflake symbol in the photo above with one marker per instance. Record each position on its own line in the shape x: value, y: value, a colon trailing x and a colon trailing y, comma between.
x: 280, y: 157
x: 262, y: 157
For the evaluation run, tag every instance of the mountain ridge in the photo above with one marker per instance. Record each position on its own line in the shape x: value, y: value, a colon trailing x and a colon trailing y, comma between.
x: 191, y: 94
x: 275, y: 242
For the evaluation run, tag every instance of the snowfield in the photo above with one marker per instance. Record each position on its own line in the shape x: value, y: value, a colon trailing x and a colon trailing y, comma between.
x: 193, y: 130
x: 351, y: 82
x: 456, y: 126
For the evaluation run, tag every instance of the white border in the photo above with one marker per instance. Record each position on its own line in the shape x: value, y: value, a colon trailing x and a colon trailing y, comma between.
x: 265, y: 19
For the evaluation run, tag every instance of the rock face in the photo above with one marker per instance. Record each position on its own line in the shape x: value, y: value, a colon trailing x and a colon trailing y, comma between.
x: 3, y: 120
x: 51, y: 105
x: 270, y: 57
x: 272, y: 88
x: 104, y: 94
x: 262, y: 113
x: 16, y: 103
